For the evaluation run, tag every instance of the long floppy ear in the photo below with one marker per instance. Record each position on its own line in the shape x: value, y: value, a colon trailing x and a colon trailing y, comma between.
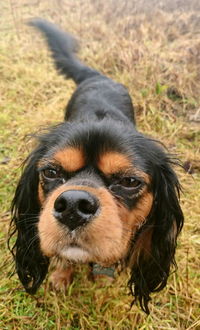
x: 155, y: 244
x: 31, y: 265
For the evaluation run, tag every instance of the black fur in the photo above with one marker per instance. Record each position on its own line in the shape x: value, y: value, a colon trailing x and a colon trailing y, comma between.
x: 31, y: 265
x: 99, y: 116
x: 151, y: 271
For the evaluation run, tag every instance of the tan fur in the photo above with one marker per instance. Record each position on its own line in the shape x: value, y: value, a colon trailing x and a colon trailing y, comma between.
x: 40, y: 194
x: 61, y: 278
x: 138, y: 215
x: 136, y: 218
x: 113, y: 162
x: 102, y: 238
x: 71, y: 159
x: 143, y: 244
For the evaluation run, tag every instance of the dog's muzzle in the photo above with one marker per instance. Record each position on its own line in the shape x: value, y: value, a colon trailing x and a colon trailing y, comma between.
x: 75, y: 208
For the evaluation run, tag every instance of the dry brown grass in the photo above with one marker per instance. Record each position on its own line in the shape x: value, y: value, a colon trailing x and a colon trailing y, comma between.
x: 153, y: 47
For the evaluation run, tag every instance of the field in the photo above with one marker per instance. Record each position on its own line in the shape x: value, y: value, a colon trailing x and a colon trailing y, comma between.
x: 153, y: 47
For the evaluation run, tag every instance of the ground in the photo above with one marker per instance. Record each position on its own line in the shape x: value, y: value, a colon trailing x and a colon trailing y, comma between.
x: 153, y: 47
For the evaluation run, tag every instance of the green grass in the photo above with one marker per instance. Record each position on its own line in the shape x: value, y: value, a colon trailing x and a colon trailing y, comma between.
x: 156, y: 54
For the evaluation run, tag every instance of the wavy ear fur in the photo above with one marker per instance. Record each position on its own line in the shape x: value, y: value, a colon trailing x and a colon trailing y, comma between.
x: 31, y: 265
x: 155, y: 244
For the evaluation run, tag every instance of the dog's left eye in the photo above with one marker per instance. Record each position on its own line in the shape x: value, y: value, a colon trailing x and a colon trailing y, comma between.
x: 130, y: 182
x: 51, y: 173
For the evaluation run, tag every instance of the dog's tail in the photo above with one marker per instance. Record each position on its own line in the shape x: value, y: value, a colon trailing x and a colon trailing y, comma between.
x: 64, y: 48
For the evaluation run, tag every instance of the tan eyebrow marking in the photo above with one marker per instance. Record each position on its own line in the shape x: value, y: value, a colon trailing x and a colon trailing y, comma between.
x: 71, y: 159
x: 113, y: 162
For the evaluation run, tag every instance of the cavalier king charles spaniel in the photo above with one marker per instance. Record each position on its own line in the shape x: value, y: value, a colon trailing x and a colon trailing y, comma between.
x: 95, y: 190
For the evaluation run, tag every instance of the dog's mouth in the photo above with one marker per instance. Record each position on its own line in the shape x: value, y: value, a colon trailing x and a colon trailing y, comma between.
x: 75, y: 253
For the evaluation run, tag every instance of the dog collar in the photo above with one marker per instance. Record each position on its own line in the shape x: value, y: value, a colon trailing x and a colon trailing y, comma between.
x: 99, y: 270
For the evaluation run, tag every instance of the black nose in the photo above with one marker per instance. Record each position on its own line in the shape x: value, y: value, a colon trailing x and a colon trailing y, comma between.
x: 74, y: 208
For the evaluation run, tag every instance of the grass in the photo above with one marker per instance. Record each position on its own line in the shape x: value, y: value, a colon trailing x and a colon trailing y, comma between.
x: 156, y: 53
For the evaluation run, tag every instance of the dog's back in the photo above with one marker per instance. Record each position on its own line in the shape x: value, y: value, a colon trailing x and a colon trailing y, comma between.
x: 97, y: 97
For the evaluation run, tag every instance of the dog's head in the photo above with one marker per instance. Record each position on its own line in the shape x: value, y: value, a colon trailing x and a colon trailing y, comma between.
x: 98, y: 193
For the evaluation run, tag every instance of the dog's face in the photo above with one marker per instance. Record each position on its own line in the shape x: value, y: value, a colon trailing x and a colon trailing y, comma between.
x: 97, y: 193
x: 94, y: 193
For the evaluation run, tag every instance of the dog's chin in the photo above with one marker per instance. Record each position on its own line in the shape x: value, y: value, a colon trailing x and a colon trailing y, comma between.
x: 75, y: 254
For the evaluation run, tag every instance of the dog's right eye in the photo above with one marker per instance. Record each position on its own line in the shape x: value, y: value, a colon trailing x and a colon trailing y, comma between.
x: 50, y: 173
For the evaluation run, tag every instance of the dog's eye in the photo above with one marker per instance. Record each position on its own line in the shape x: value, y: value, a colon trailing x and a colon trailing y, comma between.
x: 50, y: 173
x: 130, y: 182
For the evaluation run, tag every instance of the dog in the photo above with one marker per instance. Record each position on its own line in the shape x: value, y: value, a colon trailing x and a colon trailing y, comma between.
x: 96, y: 190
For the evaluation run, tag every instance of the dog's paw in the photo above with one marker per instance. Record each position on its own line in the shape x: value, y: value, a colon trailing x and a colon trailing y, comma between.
x: 60, y: 280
